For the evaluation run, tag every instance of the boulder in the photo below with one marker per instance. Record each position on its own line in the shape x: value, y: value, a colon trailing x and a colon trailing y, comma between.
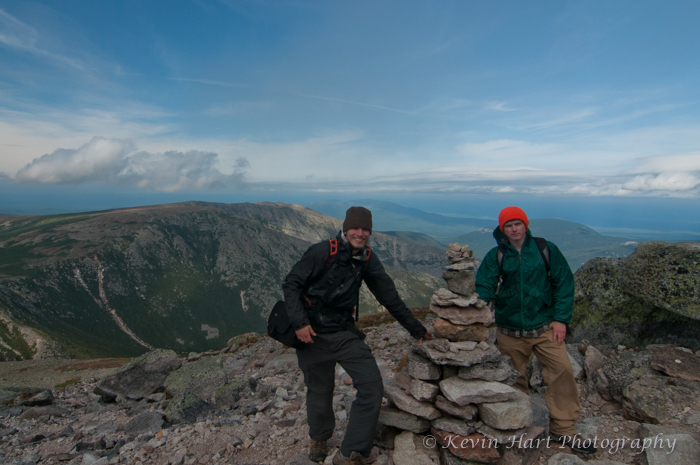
x: 202, y: 377
x: 464, y: 392
x: 655, y: 399
x: 679, y: 449
x: 139, y: 377
x: 185, y: 408
x: 230, y: 393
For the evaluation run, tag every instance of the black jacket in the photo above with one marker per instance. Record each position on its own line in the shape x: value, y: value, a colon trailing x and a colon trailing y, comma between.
x: 311, y: 278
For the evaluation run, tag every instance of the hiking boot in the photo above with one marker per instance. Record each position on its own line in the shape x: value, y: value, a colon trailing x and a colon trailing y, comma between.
x: 318, y: 451
x: 575, y: 442
x: 354, y: 459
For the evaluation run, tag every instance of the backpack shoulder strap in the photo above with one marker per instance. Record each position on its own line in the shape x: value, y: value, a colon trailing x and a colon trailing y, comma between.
x: 499, y: 257
x: 333, y: 252
x: 544, y: 252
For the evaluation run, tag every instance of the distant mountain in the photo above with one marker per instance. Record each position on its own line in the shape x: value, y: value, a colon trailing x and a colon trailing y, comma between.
x: 389, y: 216
x: 415, y: 237
x: 578, y: 242
x: 184, y: 276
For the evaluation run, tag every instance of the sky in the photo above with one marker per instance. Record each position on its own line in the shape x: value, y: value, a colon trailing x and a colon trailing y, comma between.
x: 567, y: 106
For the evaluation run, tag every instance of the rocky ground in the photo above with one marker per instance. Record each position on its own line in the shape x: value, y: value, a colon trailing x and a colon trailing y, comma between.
x: 265, y: 422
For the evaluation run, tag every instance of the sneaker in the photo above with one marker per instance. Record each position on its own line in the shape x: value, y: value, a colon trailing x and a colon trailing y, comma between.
x: 318, y: 451
x: 576, y: 443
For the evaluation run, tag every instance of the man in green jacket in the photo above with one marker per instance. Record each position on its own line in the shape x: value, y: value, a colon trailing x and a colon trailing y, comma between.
x: 533, y: 306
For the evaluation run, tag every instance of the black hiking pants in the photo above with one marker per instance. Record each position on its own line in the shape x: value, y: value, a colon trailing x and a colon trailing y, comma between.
x: 317, y: 361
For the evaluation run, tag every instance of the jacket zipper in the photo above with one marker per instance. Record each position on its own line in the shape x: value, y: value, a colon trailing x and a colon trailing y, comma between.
x: 520, y: 269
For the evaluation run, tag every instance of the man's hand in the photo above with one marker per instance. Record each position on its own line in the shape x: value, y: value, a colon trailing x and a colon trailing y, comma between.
x: 427, y: 336
x: 558, y: 332
x: 305, y: 334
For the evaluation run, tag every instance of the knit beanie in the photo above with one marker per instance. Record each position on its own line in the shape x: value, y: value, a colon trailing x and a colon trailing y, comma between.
x: 512, y: 213
x: 357, y: 217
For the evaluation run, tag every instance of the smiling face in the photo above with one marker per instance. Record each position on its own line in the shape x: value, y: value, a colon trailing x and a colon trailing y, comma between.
x: 357, y: 238
x: 515, y: 231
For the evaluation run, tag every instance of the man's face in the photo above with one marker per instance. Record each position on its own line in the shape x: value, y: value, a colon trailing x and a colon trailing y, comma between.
x: 515, y: 230
x: 357, y: 237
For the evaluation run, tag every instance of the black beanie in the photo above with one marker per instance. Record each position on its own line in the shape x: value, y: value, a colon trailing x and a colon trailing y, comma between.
x: 357, y: 217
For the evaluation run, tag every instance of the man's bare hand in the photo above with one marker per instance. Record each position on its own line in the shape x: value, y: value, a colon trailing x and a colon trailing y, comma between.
x: 305, y: 334
x: 427, y: 336
x: 558, y: 332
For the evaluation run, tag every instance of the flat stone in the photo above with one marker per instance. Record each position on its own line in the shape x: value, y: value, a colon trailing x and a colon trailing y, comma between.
x: 464, y: 392
x: 403, y: 420
x: 407, y: 403
x: 463, y: 316
x: 523, y: 448
x: 676, y: 363
x: 475, y: 447
x: 466, y: 412
x: 508, y: 415
x: 443, y: 328
x: 446, y: 298
x: 404, y: 380
x: 422, y: 368
x: 410, y: 449
x: 423, y: 391
x: 38, y: 412
x: 503, y: 436
x: 453, y: 425
x: 501, y: 370
x: 147, y: 422
x: 462, y: 358
x: 679, y: 449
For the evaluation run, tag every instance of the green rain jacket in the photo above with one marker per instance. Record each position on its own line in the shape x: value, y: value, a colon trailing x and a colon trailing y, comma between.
x: 527, y: 299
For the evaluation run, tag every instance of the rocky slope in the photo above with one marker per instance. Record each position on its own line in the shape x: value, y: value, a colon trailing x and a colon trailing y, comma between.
x: 245, y: 405
x: 182, y: 276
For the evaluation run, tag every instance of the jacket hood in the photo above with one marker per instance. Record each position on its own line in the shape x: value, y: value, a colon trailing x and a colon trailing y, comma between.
x: 501, y: 237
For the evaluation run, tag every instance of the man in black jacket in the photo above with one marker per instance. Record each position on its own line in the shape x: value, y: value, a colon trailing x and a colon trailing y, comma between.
x: 321, y: 292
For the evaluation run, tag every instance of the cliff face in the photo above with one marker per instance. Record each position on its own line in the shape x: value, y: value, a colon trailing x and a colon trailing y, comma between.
x: 652, y: 296
x: 183, y: 276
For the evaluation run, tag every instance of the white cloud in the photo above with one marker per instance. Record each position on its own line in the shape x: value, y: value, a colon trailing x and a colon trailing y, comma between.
x: 666, y: 181
x: 115, y: 161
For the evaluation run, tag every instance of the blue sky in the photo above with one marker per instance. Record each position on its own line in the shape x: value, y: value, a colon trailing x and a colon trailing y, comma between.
x: 284, y: 100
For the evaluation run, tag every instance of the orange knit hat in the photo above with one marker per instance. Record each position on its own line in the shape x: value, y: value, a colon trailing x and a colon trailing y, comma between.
x: 512, y: 213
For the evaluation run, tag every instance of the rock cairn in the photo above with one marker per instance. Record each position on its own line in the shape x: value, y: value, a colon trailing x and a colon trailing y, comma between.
x: 457, y: 388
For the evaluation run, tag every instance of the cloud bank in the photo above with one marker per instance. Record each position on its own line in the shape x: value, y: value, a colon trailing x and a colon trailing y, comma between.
x: 115, y: 161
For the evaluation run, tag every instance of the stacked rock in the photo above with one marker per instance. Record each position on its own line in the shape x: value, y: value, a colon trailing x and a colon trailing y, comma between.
x: 458, y: 386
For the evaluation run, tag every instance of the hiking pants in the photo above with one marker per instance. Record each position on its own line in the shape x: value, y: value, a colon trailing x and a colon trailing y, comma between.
x: 562, y: 393
x: 317, y: 361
